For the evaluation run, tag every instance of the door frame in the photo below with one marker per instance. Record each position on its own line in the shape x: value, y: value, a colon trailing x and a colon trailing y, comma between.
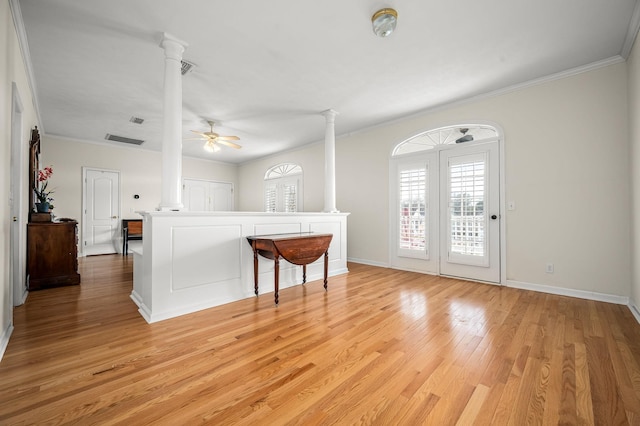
x: 85, y: 169
x: 17, y: 263
x: 502, y: 194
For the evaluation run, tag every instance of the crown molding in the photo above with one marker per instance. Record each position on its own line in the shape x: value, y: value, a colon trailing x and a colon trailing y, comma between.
x: 21, y: 33
x: 632, y: 32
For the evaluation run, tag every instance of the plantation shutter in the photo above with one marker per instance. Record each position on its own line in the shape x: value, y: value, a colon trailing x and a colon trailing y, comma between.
x: 290, y: 192
x: 270, y: 198
x: 413, y: 213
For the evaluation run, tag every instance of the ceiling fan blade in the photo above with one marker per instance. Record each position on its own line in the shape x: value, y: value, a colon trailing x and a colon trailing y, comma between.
x: 199, y: 133
x: 227, y: 143
x: 195, y: 139
x: 228, y: 138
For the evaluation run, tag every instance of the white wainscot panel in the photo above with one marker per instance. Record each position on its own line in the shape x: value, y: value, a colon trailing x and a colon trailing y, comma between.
x: 335, y: 249
x: 204, y: 255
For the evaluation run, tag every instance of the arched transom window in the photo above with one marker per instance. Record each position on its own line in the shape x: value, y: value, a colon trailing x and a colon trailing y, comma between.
x: 283, y: 188
x: 435, y: 138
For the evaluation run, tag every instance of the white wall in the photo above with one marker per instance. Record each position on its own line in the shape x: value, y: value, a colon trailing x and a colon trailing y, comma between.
x: 12, y: 70
x: 140, y: 173
x: 567, y: 170
x: 634, y: 136
x: 310, y: 158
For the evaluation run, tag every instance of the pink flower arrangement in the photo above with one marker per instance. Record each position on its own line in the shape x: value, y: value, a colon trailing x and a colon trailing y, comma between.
x: 41, y: 185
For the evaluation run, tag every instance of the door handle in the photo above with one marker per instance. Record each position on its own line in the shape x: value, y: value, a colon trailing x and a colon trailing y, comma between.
x: 114, y: 217
x: 494, y: 217
x: 15, y: 219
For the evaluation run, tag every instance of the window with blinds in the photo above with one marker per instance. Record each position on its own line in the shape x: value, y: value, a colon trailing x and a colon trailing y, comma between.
x: 466, y: 208
x: 283, y: 188
x: 412, y: 236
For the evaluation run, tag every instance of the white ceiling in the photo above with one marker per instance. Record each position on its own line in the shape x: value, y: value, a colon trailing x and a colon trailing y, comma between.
x: 267, y: 69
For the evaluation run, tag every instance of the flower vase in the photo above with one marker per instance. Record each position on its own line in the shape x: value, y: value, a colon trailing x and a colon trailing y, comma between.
x: 42, y: 207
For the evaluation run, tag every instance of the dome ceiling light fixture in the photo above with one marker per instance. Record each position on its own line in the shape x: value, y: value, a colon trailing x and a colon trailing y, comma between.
x: 384, y: 22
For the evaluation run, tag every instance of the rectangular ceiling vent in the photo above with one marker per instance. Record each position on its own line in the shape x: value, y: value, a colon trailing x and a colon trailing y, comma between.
x: 123, y: 139
x: 136, y: 120
x: 187, y: 67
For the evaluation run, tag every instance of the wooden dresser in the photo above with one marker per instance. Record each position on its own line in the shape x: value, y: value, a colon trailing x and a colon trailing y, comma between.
x: 52, y: 254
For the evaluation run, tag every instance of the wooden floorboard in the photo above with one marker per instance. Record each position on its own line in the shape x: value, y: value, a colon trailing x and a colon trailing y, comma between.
x: 380, y: 347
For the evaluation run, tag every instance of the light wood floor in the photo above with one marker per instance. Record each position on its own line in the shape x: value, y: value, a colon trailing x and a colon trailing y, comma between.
x: 380, y: 347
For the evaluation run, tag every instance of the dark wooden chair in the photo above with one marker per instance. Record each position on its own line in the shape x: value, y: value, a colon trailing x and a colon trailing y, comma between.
x: 131, y: 231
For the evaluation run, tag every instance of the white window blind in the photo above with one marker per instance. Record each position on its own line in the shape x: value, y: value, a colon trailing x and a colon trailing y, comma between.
x: 270, y: 198
x: 290, y: 192
x: 412, y: 211
x: 466, y: 208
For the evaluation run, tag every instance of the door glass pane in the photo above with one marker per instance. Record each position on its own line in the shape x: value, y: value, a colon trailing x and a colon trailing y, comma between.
x: 412, y: 235
x: 466, y: 208
x: 270, y: 198
x: 290, y: 197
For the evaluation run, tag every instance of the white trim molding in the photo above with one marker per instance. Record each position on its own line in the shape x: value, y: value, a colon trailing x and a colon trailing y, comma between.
x: 561, y: 291
x: 635, y: 311
x: 368, y: 262
x: 21, y: 33
x: 4, y: 339
x: 632, y: 32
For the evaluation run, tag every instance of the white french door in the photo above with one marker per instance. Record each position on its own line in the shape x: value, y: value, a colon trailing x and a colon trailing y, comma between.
x: 445, y: 212
x: 470, y: 212
x: 101, y: 213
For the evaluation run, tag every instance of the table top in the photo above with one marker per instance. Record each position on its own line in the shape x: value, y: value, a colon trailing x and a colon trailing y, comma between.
x: 287, y: 236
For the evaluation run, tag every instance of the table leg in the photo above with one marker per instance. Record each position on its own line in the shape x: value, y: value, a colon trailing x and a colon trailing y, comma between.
x: 326, y: 268
x: 276, y: 276
x: 255, y: 268
x: 304, y: 274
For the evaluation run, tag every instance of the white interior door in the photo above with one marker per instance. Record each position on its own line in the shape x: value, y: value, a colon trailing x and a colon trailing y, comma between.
x: 470, y: 212
x: 101, y: 211
x: 195, y: 194
x: 204, y: 195
x: 221, y: 196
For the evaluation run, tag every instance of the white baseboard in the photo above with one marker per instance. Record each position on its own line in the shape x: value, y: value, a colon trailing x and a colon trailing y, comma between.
x: 4, y: 339
x: 136, y: 298
x: 367, y: 262
x: 633, y: 307
x: 561, y: 291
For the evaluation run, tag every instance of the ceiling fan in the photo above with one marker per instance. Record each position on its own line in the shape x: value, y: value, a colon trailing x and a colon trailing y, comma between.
x: 465, y: 137
x: 214, y: 140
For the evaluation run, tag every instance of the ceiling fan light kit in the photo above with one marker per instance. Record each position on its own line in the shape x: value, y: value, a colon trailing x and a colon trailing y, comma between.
x: 210, y: 146
x: 214, y: 140
x: 384, y: 22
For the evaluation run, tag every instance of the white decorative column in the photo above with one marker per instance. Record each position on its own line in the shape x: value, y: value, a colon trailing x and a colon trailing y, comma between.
x: 330, y: 162
x: 172, y: 124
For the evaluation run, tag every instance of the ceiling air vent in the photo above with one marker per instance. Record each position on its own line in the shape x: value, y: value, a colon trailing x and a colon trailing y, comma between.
x: 136, y: 120
x: 187, y: 67
x: 123, y: 139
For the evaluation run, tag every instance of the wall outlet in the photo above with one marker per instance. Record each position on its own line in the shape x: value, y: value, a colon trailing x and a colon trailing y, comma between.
x: 549, y: 269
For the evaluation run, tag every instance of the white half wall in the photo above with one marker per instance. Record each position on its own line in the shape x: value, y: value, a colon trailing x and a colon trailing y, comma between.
x: 196, y: 260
